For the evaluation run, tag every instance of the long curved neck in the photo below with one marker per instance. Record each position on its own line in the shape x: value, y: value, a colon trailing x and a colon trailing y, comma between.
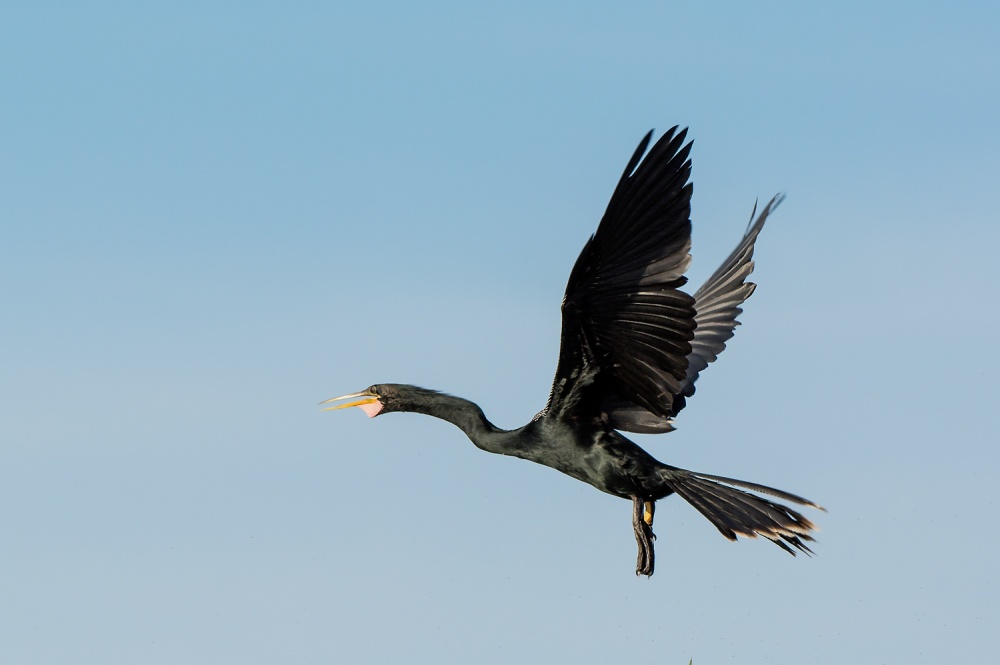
x: 467, y: 416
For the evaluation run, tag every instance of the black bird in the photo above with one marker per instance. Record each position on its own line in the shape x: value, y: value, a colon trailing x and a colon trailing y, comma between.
x: 633, y: 345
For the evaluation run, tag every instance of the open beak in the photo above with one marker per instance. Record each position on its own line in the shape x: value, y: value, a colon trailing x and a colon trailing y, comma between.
x: 362, y: 398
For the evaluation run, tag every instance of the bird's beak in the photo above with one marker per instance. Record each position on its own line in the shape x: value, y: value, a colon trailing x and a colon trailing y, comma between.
x: 365, y: 399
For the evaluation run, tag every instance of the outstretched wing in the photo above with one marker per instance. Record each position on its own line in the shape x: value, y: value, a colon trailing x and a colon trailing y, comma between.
x: 627, y: 329
x: 717, y: 302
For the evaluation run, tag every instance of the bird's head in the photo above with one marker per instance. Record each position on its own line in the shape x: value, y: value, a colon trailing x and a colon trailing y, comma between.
x: 384, y: 398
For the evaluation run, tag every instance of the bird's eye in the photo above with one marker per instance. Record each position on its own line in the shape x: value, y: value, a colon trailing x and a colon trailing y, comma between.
x: 373, y: 390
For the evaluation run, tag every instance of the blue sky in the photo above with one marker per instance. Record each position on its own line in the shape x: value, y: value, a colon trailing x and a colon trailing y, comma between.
x: 215, y: 215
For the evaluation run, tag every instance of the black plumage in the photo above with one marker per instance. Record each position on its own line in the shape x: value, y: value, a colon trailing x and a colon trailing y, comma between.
x: 633, y: 345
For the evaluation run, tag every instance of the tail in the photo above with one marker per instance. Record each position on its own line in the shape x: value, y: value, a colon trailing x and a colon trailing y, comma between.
x: 736, y: 512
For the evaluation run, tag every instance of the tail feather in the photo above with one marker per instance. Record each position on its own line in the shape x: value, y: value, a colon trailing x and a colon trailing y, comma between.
x: 736, y: 512
x: 763, y: 489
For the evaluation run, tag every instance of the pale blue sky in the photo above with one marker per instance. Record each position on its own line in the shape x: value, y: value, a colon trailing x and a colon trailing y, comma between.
x: 215, y: 215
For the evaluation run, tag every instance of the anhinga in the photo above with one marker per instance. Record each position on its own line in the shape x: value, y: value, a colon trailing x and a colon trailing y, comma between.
x: 633, y: 345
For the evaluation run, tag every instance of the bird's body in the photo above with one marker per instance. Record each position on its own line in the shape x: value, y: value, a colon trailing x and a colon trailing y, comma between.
x: 598, y: 456
x: 633, y: 345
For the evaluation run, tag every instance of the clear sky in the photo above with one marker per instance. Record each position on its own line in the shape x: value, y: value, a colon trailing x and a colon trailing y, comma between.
x: 214, y: 215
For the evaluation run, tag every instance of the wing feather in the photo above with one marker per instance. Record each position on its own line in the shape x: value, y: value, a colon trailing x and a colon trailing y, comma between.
x: 718, y: 301
x: 626, y: 327
x: 633, y: 344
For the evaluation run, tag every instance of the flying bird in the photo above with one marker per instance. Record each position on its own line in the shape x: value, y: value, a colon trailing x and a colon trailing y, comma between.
x: 633, y: 346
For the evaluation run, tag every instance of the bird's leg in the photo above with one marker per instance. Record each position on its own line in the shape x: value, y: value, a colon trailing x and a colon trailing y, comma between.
x: 642, y: 524
x: 640, y: 563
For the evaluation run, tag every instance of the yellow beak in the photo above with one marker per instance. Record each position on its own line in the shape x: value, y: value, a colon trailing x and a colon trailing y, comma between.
x: 366, y: 398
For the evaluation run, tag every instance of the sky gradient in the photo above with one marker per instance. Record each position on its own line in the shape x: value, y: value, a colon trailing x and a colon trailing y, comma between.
x: 215, y: 215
